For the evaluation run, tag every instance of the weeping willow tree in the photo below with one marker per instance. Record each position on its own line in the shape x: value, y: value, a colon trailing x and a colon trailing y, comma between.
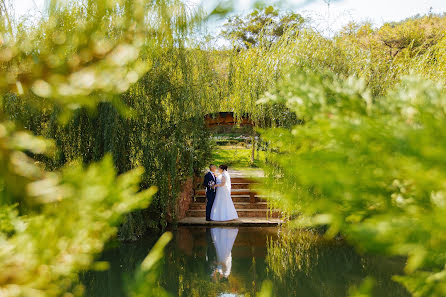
x: 254, y: 64
x: 378, y: 56
x: 258, y: 64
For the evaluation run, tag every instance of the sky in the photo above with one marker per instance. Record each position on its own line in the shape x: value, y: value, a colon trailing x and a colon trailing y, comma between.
x: 376, y: 11
x: 28, y: 7
x: 329, y: 18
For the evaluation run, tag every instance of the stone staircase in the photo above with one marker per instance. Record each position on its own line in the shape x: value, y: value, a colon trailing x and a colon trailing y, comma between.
x: 246, y: 201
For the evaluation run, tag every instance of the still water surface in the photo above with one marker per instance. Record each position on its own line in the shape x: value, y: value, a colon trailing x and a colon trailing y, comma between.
x: 235, y: 261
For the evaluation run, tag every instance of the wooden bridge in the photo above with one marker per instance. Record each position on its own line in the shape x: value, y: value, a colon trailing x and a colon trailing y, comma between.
x: 252, y: 209
x: 226, y: 119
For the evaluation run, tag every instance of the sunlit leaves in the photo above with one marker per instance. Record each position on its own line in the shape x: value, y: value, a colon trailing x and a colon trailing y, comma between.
x: 106, y: 52
x: 146, y: 279
x: 261, y: 27
x: 370, y: 169
x: 72, y: 227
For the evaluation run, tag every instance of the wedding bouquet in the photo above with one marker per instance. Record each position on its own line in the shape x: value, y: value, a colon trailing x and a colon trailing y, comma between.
x: 211, y: 184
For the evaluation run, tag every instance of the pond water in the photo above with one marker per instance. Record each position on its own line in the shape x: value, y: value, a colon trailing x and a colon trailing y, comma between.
x: 224, y: 262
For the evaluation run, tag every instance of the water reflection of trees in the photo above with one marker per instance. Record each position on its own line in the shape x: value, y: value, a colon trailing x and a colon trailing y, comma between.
x: 186, y: 269
x: 300, y: 264
x: 123, y: 258
x: 304, y: 263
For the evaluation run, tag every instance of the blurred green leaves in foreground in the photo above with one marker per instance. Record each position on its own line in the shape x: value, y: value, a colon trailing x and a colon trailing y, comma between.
x: 53, y: 224
x: 371, y: 168
x: 146, y: 278
x: 42, y: 252
x: 84, y: 47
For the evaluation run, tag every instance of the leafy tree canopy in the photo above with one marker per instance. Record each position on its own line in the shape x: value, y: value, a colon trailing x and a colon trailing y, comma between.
x: 246, y: 31
x: 415, y: 34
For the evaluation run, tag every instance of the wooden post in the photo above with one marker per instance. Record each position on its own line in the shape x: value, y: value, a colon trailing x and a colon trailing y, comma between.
x: 253, y: 151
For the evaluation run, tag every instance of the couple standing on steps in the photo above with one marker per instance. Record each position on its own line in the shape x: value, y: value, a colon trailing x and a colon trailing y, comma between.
x: 219, y: 206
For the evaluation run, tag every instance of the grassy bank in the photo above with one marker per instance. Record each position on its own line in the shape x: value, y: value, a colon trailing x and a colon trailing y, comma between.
x: 237, y: 157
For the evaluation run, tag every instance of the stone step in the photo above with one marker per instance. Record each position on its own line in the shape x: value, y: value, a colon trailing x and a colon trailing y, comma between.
x: 241, y: 180
x: 235, y: 198
x: 248, y: 222
x: 243, y: 213
x: 238, y: 205
x: 202, y: 192
x: 240, y: 185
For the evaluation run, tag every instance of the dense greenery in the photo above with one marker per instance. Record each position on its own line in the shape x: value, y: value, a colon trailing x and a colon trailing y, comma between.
x: 156, y: 123
x: 70, y: 77
x: 155, y: 128
x: 380, y: 57
x: 237, y: 157
x: 368, y: 160
x: 262, y: 27
x: 96, y: 89
x: 371, y: 169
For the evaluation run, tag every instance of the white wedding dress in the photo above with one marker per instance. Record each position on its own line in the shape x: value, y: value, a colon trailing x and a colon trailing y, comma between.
x: 223, y: 208
x: 223, y: 239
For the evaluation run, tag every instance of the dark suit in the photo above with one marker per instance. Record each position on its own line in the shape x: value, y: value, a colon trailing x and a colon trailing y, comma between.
x: 210, y: 193
x: 211, y: 254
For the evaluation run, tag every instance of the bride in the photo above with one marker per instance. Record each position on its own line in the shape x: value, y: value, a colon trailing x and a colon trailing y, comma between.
x: 223, y: 239
x: 223, y: 209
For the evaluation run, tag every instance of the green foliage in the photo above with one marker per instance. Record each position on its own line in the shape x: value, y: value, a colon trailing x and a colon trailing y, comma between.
x: 119, y: 81
x: 236, y: 157
x: 366, y: 158
x: 251, y: 73
x: 364, y: 290
x: 54, y: 61
x: 416, y: 35
x: 146, y: 277
x: 165, y: 141
x: 61, y: 79
x: 357, y: 51
x: 79, y: 211
x: 153, y: 122
x: 8, y: 219
x: 381, y: 56
x: 261, y: 27
x: 266, y: 290
x: 370, y: 169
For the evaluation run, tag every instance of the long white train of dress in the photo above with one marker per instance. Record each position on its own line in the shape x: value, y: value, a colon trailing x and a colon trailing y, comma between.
x: 223, y: 239
x: 223, y: 208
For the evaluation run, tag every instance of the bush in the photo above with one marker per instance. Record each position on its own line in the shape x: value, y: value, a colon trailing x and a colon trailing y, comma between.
x: 370, y: 168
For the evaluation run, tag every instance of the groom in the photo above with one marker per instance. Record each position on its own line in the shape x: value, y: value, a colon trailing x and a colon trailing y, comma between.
x: 209, y: 181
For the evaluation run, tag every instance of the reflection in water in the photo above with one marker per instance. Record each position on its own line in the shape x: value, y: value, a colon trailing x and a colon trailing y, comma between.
x: 326, y: 268
x: 231, y: 262
x: 223, y: 239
